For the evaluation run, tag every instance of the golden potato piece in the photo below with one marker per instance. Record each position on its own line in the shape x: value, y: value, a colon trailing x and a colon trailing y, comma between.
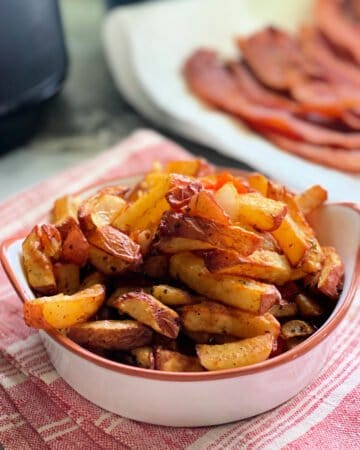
x: 284, y: 310
x: 111, y: 301
x: 262, y: 264
x: 213, y: 234
x: 191, y: 167
x: 235, y: 354
x: 169, y: 361
x: 258, y: 182
x: 171, y: 296
x: 329, y: 280
x: 99, y: 210
x: 63, y: 311
x: 67, y: 277
x: 38, y: 267
x: 308, y: 307
x: 227, y: 197
x: 50, y: 239
x: 91, y: 279
x: 205, y: 205
x: 65, y: 207
x: 75, y: 248
x: 212, y: 317
x: 111, y: 334
x: 296, y: 328
x: 311, y: 199
x: 148, y: 310
x: 107, y: 264
x: 144, y: 357
x: 240, y: 292
x: 261, y: 212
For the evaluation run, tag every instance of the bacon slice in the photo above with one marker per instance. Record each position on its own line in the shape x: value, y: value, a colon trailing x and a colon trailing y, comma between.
x: 348, y: 161
x: 208, y: 78
x: 352, y: 119
x: 273, y: 56
x: 331, y: 19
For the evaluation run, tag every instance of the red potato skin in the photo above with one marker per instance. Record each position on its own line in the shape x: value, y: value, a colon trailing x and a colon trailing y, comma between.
x: 75, y: 247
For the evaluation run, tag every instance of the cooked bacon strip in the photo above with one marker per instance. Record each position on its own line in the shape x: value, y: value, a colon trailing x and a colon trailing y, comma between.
x: 208, y: 78
x: 257, y: 92
x: 333, y: 22
x: 348, y: 161
x: 352, y: 119
x: 272, y: 55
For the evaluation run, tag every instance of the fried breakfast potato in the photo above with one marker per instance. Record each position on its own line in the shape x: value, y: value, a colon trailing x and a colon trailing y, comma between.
x: 193, y: 261
x: 169, y: 361
x: 67, y: 277
x: 63, y: 311
x: 240, y: 292
x: 38, y: 266
x: 212, y: 317
x: 262, y: 264
x: 148, y: 310
x: 65, y: 207
x: 144, y: 357
x: 235, y: 354
x: 111, y: 334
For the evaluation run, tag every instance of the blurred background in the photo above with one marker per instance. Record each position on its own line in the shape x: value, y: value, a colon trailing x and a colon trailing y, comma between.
x: 87, y: 116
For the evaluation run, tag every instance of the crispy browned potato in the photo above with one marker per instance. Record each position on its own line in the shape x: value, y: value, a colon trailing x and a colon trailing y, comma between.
x: 38, y: 267
x: 144, y: 357
x: 296, y: 328
x: 240, y: 292
x: 50, y: 239
x: 107, y: 264
x: 258, y: 182
x: 172, y: 296
x: 284, y: 310
x: 63, y: 311
x: 213, y: 234
x: 111, y: 301
x: 156, y: 266
x: 169, y: 361
x: 329, y: 280
x: 75, y: 248
x: 261, y: 212
x: 204, y: 205
x: 212, y: 317
x: 235, y: 354
x: 308, y: 307
x: 65, y: 207
x: 311, y: 199
x: 99, y: 210
x: 67, y: 277
x: 148, y: 310
x: 111, y: 334
x: 262, y: 264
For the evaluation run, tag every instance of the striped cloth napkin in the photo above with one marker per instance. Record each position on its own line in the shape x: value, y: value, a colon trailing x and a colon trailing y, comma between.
x: 38, y: 410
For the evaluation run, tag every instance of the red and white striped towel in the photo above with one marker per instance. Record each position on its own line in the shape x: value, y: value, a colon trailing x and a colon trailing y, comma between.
x: 38, y: 410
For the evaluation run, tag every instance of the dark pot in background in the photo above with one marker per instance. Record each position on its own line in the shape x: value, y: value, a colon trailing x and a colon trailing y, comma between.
x: 33, y: 65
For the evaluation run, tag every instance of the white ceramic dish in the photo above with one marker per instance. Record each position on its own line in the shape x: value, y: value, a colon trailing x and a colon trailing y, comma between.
x: 146, y: 46
x: 203, y: 398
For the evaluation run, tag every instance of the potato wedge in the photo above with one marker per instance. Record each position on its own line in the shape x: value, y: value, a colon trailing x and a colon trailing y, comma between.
x: 115, y: 243
x: 63, y: 311
x: 240, y: 292
x: 75, y: 248
x: 205, y: 205
x: 263, y: 265
x: 121, y: 290
x: 169, y: 361
x: 284, y: 310
x: 148, y: 310
x: 107, y: 264
x: 67, y: 278
x: 111, y: 334
x: 99, y: 210
x: 226, y: 197
x: 213, y: 234
x: 311, y: 199
x: 212, y: 317
x: 235, y: 354
x: 296, y: 328
x: 65, y: 207
x: 171, y: 296
x: 50, y: 239
x: 191, y: 167
x: 38, y: 267
x: 308, y: 307
x: 329, y: 280
x: 146, y: 211
x: 91, y: 279
x: 259, y: 182
x: 144, y: 357
x: 263, y: 213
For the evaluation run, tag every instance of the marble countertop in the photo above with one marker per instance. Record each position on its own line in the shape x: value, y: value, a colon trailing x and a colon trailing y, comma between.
x: 88, y: 116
